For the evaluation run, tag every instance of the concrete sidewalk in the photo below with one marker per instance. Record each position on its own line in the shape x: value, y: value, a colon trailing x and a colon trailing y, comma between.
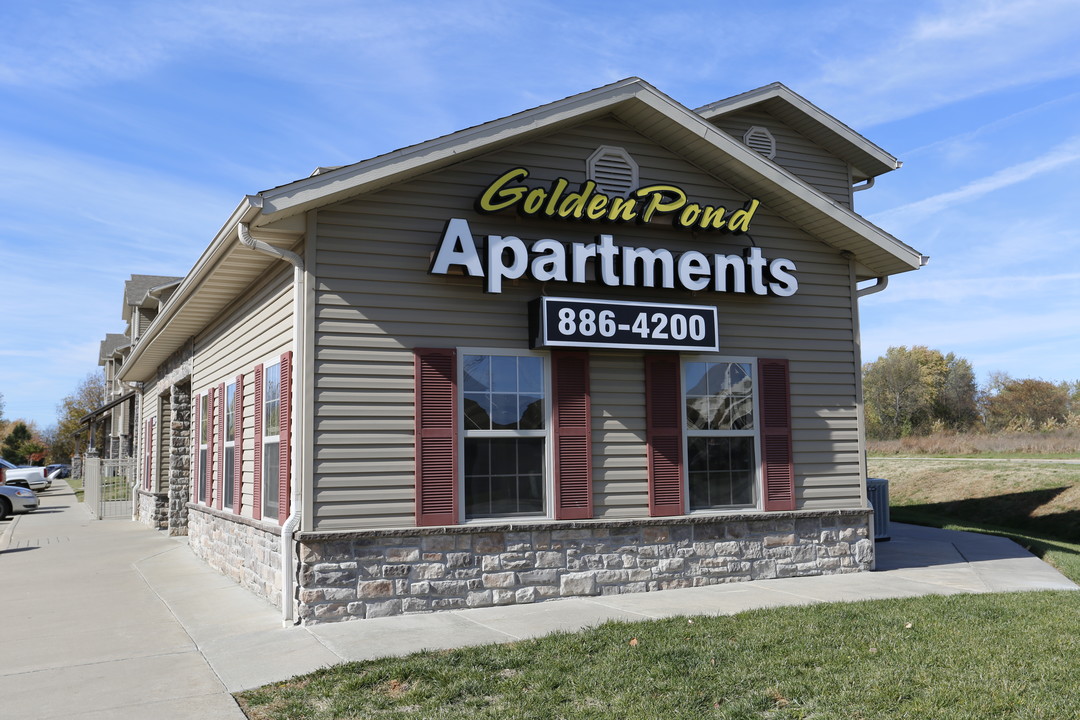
x: 107, y: 619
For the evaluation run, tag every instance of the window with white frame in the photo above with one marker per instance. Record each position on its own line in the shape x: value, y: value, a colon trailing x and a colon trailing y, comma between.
x: 505, y: 435
x: 271, y: 431
x: 721, y: 433
x: 229, y: 446
x: 204, y: 437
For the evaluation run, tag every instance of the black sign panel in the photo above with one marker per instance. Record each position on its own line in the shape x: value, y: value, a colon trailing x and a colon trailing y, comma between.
x: 575, y: 322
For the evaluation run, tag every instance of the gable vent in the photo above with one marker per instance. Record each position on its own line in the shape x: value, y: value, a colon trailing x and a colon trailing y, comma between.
x: 613, y: 170
x: 761, y: 141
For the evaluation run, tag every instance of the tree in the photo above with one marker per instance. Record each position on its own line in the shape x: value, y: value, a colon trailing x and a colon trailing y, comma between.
x: 894, y: 393
x: 20, y: 447
x: 907, y: 391
x: 88, y: 396
x: 1026, y: 403
x: 957, y: 404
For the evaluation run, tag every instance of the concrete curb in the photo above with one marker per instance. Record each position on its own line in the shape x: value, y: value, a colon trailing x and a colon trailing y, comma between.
x: 5, y: 539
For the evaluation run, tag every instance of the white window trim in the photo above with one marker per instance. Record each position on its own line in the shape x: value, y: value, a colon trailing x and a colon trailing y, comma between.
x: 759, y: 478
x: 200, y: 427
x: 267, y: 514
x: 226, y: 467
x: 546, y: 433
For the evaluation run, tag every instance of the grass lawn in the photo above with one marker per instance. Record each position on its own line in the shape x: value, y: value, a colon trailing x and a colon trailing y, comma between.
x: 1006, y: 655
x: 985, y: 656
x: 76, y: 485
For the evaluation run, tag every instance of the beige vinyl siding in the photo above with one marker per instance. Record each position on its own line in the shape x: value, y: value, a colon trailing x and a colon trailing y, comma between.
x: 617, y: 394
x: 376, y: 302
x: 795, y: 153
x: 258, y: 330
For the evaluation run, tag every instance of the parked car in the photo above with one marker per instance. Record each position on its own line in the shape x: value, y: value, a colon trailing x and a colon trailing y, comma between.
x: 34, y: 477
x: 58, y: 471
x: 16, y: 500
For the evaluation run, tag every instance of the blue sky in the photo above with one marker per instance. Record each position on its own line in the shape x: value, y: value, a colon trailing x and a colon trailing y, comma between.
x: 131, y: 130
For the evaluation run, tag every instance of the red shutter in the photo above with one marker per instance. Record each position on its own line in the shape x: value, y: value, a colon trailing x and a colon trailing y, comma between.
x: 210, y: 426
x: 257, y: 451
x: 195, y: 437
x: 776, y: 455
x: 435, y: 378
x: 573, y: 436
x: 221, y: 444
x: 148, y: 451
x: 150, y: 469
x: 238, y: 442
x: 285, y: 441
x: 663, y: 432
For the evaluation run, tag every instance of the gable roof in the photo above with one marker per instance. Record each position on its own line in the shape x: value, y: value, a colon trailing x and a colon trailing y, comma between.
x: 656, y: 116
x: 138, y: 288
x: 112, y: 343
x: 225, y: 268
x: 866, y: 159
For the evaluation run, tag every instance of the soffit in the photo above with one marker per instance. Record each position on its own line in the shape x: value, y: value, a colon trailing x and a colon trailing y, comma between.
x: 224, y: 272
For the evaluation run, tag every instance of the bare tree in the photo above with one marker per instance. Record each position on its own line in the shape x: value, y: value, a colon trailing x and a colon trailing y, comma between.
x: 88, y: 396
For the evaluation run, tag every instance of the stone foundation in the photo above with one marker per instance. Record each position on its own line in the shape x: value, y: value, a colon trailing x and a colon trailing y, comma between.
x: 153, y: 509
x: 239, y: 548
x: 344, y: 576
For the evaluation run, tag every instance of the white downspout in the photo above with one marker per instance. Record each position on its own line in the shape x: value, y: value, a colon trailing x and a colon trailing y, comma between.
x: 292, y: 523
x: 880, y: 284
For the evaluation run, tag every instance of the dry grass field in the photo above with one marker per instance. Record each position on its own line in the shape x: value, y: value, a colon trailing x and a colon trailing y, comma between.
x: 1062, y: 443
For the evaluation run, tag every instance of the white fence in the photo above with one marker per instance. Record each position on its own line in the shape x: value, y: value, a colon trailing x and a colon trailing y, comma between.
x: 107, y: 487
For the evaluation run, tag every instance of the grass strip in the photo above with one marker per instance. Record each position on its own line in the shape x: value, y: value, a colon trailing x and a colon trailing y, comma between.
x: 76, y: 485
x: 1008, y: 655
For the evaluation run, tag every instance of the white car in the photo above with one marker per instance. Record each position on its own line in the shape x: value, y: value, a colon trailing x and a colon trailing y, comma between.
x: 34, y: 477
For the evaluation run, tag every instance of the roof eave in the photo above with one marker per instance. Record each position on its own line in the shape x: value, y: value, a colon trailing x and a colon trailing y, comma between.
x: 137, y: 367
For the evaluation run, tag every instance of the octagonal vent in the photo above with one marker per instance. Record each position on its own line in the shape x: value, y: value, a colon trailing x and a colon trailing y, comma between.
x: 613, y: 170
x: 761, y: 141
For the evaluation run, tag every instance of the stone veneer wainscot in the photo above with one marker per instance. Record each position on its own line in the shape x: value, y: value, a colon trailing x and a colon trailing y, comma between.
x: 248, y: 551
x: 154, y: 509
x: 373, y: 574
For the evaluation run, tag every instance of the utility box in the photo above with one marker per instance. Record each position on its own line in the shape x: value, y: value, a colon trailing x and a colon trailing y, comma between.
x: 877, y: 491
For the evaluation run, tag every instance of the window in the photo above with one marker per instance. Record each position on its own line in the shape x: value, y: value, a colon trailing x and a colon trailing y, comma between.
x: 721, y: 434
x: 204, y: 437
x: 229, y: 446
x: 505, y: 435
x: 271, y: 431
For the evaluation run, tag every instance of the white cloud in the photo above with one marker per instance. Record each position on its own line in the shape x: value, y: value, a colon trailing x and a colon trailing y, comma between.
x: 1064, y: 154
x: 961, y: 51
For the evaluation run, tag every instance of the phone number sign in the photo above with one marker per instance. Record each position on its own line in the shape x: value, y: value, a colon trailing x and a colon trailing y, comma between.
x: 577, y: 322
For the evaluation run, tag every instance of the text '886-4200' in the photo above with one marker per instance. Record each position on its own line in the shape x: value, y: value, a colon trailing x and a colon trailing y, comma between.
x: 574, y: 322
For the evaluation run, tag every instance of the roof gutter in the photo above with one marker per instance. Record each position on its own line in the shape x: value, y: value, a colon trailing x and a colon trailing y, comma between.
x: 292, y: 523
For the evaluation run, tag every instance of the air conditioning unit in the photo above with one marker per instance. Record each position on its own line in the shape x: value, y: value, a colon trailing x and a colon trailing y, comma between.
x: 877, y: 491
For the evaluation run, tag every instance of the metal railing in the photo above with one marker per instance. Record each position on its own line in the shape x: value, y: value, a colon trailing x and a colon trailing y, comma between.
x: 107, y: 487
